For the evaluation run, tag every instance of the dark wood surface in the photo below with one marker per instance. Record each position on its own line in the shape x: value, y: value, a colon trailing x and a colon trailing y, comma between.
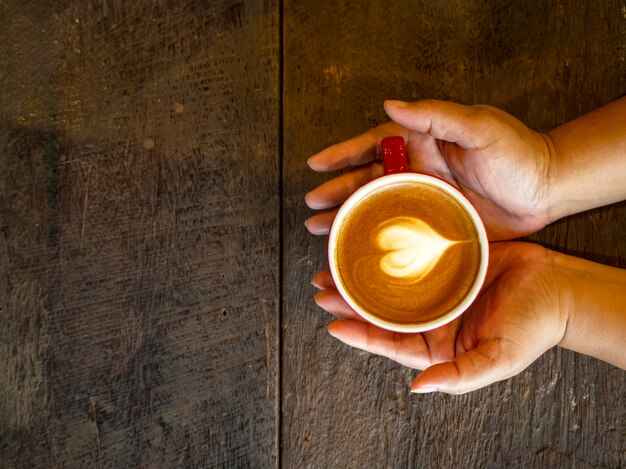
x: 141, y: 264
x: 139, y: 282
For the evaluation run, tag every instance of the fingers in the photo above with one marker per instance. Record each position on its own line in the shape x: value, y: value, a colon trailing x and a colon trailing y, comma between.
x: 425, y: 156
x: 335, y: 192
x: 331, y: 301
x: 320, y: 224
x: 338, y: 189
x: 443, y: 120
x: 414, y: 350
x: 356, y: 151
x: 329, y: 298
x: 406, y: 349
x: 323, y: 280
x: 472, y: 370
x: 441, y: 341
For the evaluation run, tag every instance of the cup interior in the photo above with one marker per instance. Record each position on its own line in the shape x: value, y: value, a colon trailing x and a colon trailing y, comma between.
x: 346, y: 210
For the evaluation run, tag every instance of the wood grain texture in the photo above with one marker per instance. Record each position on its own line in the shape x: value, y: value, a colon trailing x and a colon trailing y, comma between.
x: 545, y: 63
x: 139, y: 233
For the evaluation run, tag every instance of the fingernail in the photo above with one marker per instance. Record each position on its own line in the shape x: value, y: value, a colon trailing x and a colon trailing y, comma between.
x: 425, y: 389
x: 397, y: 103
x: 311, y: 160
x: 316, y: 300
x: 306, y: 224
x: 307, y: 199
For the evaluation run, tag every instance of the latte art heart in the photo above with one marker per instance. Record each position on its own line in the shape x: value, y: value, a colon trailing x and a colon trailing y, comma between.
x: 412, y: 247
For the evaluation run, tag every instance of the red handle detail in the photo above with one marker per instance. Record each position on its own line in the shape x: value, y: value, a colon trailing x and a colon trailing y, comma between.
x: 393, y: 150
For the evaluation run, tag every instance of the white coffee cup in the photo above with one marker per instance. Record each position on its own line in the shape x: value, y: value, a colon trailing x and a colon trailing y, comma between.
x: 396, y: 171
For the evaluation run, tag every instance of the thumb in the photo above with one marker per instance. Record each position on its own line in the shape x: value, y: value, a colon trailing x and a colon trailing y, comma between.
x: 469, y: 371
x: 443, y: 120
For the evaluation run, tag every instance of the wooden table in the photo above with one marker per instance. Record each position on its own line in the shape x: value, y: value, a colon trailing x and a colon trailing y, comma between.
x: 154, y: 268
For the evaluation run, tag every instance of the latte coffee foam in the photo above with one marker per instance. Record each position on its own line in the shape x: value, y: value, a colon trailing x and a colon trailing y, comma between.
x: 407, y: 253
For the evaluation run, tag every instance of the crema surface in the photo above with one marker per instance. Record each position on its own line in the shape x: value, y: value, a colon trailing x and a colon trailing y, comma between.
x: 408, y: 252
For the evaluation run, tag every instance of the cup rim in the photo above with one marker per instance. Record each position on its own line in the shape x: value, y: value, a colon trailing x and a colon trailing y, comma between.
x: 459, y: 197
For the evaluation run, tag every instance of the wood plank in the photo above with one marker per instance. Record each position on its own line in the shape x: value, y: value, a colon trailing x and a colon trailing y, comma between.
x: 138, y: 246
x: 543, y: 63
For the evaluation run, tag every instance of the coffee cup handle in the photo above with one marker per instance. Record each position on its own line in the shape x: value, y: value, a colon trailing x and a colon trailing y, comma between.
x: 393, y: 150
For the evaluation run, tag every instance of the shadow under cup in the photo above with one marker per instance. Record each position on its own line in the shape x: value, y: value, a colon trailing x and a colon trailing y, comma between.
x: 408, y: 252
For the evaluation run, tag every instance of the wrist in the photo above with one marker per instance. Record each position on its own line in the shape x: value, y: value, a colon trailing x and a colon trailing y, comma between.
x: 550, y: 205
x: 561, y: 274
x: 592, y: 298
x: 586, y: 162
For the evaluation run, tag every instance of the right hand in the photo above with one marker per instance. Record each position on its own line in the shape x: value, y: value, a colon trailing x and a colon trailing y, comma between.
x: 501, y: 165
x: 522, y: 311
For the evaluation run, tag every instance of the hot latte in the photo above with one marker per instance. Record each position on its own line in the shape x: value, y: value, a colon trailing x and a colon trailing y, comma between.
x: 407, y: 253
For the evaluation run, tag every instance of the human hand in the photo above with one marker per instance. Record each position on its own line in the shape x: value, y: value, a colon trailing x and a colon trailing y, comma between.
x: 517, y: 317
x: 500, y: 165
